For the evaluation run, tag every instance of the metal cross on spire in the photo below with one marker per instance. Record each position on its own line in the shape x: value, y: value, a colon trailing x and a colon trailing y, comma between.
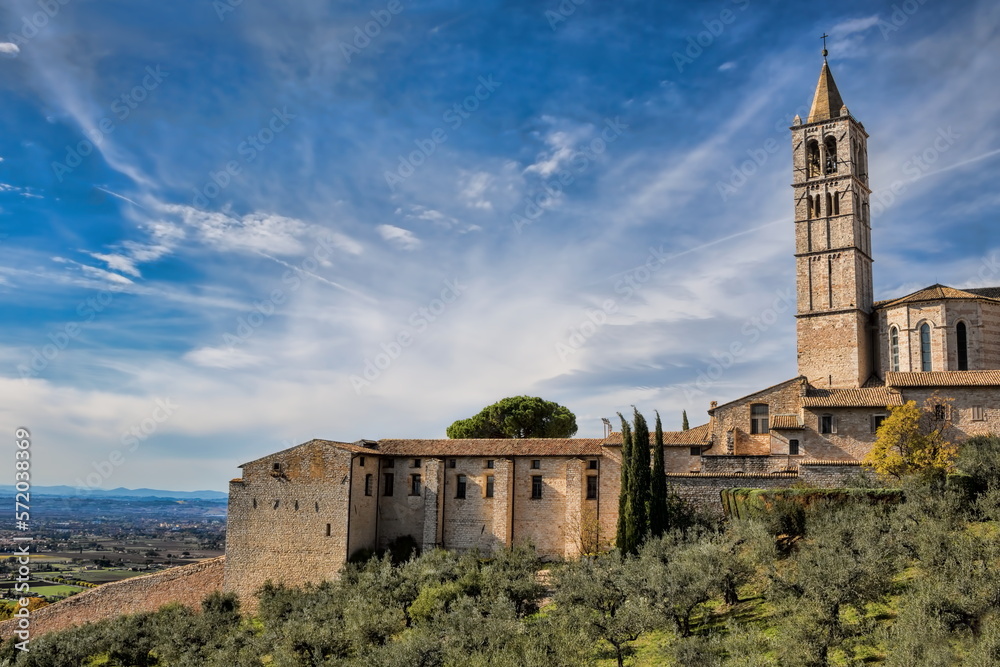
x: 823, y: 37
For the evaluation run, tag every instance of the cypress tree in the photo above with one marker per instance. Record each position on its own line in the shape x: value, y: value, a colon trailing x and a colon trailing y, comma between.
x: 658, y: 518
x: 639, y: 484
x: 622, y: 537
x: 684, y: 420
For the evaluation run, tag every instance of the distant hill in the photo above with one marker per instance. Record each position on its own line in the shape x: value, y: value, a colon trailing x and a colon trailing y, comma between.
x: 120, y: 492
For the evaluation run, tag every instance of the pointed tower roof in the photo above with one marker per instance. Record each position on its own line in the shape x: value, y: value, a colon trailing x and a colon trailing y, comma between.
x: 827, y: 102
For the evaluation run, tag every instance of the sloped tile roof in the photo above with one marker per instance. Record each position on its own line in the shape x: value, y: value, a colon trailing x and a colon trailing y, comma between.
x: 757, y: 393
x: 941, y: 292
x: 498, y: 447
x: 989, y: 378
x: 347, y: 446
x: 698, y: 435
x: 727, y: 475
x: 988, y: 292
x: 867, y: 397
x: 784, y: 422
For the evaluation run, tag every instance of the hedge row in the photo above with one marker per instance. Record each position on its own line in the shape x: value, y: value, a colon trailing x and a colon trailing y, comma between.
x: 754, y: 503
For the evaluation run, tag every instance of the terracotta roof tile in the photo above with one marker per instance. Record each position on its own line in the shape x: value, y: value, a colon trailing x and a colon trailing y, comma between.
x: 988, y: 292
x: 498, y: 447
x: 829, y: 462
x: 698, y: 435
x: 868, y: 397
x: 785, y: 422
x: 348, y: 446
x: 939, y: 292
x: 989, y: 378
x: 733, y: 474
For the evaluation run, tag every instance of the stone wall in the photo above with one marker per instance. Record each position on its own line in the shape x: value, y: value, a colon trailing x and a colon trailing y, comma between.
x: 541, y: 521
x: 962, y: 411
x: 851, y: 441
x: 187, y: 585
x: 400, y: 513
x: 828, y: 474
x: 833, y: 349
x: 715, y: 465
x: 290, y: 523
x: 605, y: 516
x: 986, y: 338
x: 679, y: 459
x: 364, y: 484
x: 784, y: 398
x: 704, y: 490
x: 469, y: 522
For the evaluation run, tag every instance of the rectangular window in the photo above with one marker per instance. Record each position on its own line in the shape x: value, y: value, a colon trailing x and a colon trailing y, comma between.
x: 388, y: 479
x: 460, y: 486
x: 361, y: 461
x: 451, y: 463
x: 389, y: 463
x: 876, y: 422
x: 592, y: 487
x: 328, y: 530
x: 489, y: 486
x: 793, y: 447
x: 979, y: 414
x: 592, y: 464
x: 696, y: 451
x: 415, y: 463
x: 827, y: 424
x: 940, y: 412
x: 414, y: 485
x: 489, y: 464
x: 536, y: 464
x: 536, y: 487
x: 758, y: 418
x: 368, y: 485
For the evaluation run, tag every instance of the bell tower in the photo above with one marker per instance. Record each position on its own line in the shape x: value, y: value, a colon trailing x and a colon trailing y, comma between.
x: 833, y: 256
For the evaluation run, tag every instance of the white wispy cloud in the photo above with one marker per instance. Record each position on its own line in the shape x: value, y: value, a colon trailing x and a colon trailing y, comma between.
x: 563, y: 143
x: 399, y: 237
x: 9, y: 49
x: 473, y: 190
x: 222, y: 357
x: 851, y: 26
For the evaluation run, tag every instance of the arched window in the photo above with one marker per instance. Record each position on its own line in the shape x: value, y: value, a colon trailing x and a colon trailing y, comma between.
x: 894, y: 349
x: 831, y: 155
x: 836, y: 203
x: 925, y: 347
x: 812, y: 159
x: 809, y: 207
x: 829, y: 204
x: 962, y: 336
x: 816, y: 206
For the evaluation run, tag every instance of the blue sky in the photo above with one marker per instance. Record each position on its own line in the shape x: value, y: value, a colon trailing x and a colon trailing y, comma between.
x: 228, y: 227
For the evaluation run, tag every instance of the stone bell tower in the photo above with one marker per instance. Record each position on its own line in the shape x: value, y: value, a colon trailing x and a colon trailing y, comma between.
x: 833, y: 256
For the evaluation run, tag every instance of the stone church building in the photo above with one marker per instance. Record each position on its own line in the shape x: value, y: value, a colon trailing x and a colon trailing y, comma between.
x: 297, y: 515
